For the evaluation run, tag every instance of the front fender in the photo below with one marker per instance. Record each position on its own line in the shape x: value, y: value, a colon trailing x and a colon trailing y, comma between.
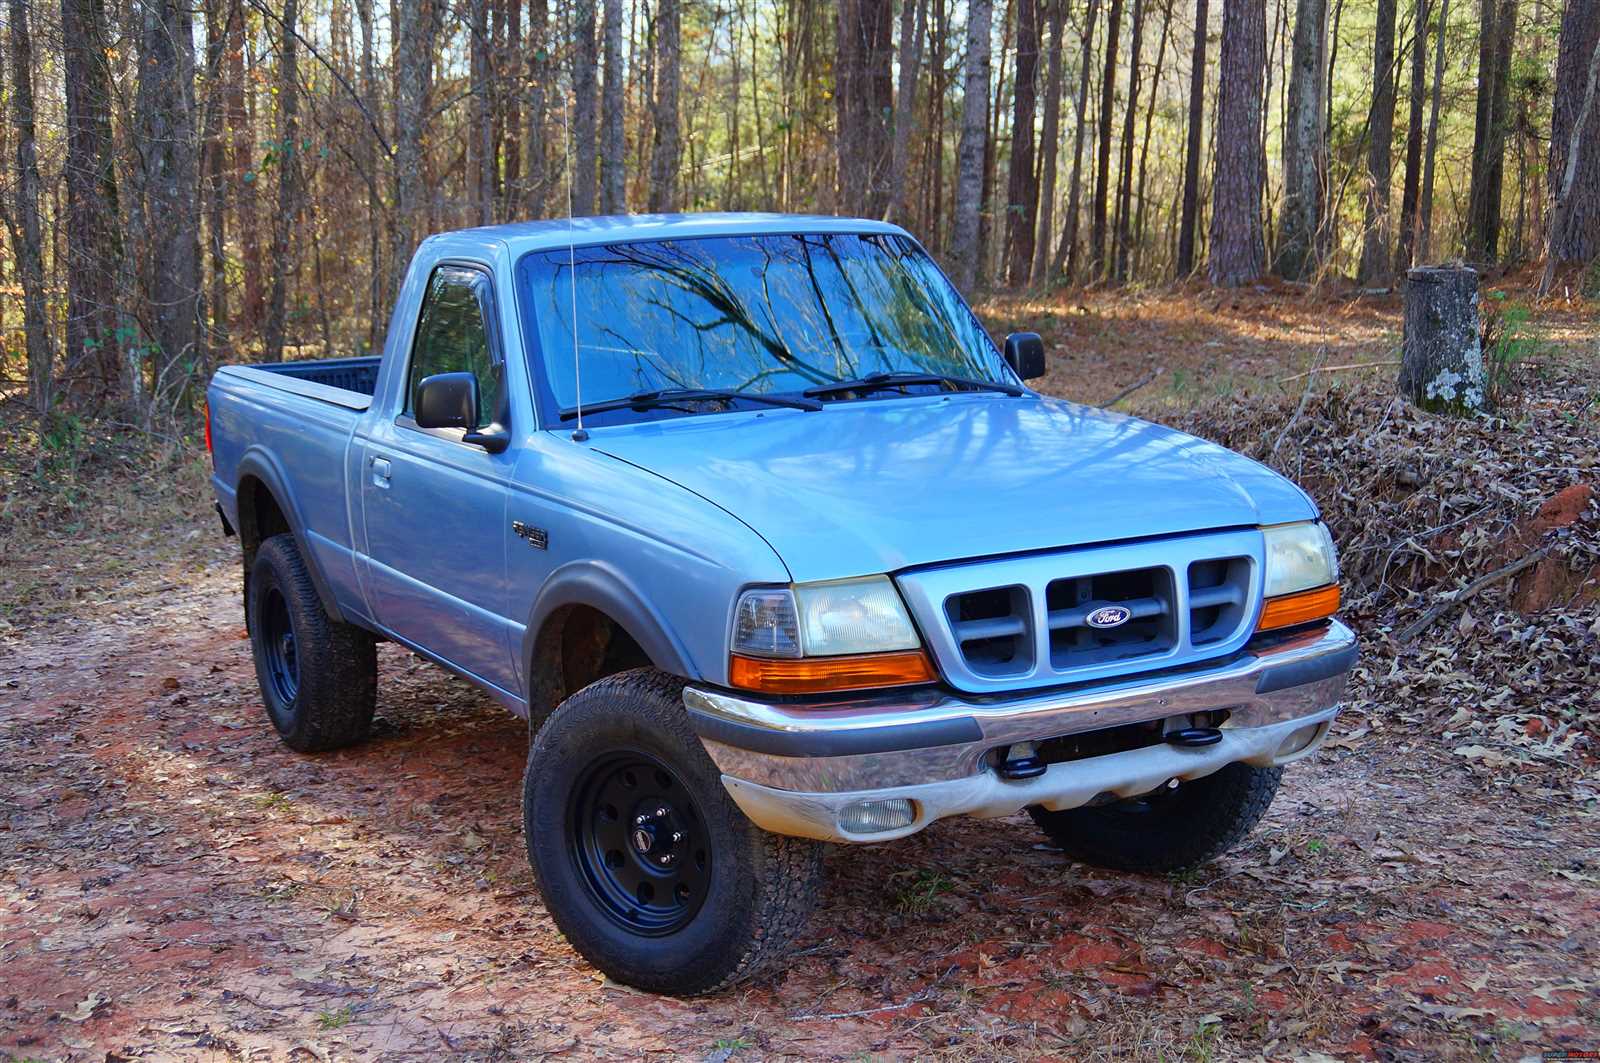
x: 603, y: 587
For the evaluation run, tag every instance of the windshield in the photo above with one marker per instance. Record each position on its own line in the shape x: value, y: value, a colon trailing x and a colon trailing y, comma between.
x: 766, y: 313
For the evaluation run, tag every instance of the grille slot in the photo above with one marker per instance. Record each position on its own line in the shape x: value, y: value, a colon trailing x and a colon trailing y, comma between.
x: 992, y: 629
x: 1151, y: 628
x: 1218, y: 594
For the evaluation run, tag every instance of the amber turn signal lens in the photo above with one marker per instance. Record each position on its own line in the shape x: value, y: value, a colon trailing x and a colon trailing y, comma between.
x: 816, y: 675
x: 1287, y: 610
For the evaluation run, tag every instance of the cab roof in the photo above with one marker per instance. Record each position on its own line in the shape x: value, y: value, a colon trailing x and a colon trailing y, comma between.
x: 524, y: 236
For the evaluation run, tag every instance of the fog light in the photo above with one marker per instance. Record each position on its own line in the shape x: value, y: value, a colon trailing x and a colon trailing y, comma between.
x: 1299, y: 739
x: 875, y: 817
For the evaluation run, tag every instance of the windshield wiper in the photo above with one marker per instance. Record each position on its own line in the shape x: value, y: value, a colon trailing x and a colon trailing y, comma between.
x: 645, y: 400
x: 882, y: 381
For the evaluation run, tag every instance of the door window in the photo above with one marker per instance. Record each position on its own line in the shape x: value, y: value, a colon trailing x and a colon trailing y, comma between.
x: 452, y: 337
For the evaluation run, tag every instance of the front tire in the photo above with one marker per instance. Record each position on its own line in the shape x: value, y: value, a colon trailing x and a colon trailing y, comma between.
x: 319, y: 678
x: 645, y: 863
x: 1169, y: 830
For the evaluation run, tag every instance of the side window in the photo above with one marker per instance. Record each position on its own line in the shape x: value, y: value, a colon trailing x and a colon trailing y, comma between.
x: 452, y: 338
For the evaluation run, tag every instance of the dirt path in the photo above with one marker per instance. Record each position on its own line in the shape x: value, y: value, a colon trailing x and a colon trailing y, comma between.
x: 174, y: 883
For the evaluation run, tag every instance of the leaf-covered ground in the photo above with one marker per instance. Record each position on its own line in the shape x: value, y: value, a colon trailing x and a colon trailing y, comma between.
x: 175, y: 884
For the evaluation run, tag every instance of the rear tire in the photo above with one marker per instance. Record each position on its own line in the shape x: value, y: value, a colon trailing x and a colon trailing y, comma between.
x: 645, y: 863
x: 319, y: 678
x: 1169, y: 830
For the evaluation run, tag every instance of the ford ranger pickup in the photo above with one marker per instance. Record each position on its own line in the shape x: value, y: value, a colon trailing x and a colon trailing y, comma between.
x: 772, y: 547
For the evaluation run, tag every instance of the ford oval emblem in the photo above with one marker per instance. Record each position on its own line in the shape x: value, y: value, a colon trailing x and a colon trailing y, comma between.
x: 1108, y: 616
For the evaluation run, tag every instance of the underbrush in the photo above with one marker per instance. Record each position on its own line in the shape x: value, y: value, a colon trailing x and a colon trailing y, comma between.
x: 1433, y: 516
x: 90, y: 510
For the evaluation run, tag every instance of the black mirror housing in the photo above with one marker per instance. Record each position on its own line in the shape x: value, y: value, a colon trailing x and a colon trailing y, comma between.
x: 447, y: 400
x: 1025, y: 355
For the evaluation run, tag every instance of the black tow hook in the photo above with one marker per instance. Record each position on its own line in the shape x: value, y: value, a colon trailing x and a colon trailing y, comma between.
x: 1194, y: 737
x: 1022, y: 762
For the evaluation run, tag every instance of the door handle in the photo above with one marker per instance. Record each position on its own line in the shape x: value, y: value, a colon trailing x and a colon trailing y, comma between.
x: 380, y: 471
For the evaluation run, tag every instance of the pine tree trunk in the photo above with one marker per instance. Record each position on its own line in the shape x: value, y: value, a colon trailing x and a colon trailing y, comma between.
x: 664, y: 152
x: 1144, y: 147
x: 1410, y: 224
x: 480, y: 130
x: 1067, y: 250
x: 510, y: 70
x: 166, y: 127
x: 970, y: 149
x: 1196, y: 143
x: 540, y: 71
x: 287, y: 151
x: 1577, y: 238
x: 1441, y: 361
x: 1375, y: 254
x: 215, y: 189
x: 1049, y: 143
x: 1022, y: 183
x: 1567, y: 195
x: 246, y: 178
x: 94, y: 235
x: 913, y: 24
x: 1237, y: 252
x: 366, y: 153
x: 29, y: 248
x: 1489, y: 133
x: 613, y: 197
x: 585, y: 80
x: 1124, y: 220
x: 1102, y: 173
x: 1304, y: 160
x: 412, y: 62
x: 864, y: 102
x: 1430, y: 152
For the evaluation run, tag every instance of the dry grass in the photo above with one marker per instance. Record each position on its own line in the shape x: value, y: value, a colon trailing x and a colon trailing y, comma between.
x: 90, y: 514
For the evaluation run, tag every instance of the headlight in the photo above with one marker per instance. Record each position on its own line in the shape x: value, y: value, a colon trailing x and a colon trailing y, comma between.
x: 823, y: 620
x: 1302, y: 576
x: 813, y: 637
x: 1299, y: 557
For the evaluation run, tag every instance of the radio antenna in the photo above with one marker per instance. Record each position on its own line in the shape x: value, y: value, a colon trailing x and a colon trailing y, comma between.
x: 579, y: 435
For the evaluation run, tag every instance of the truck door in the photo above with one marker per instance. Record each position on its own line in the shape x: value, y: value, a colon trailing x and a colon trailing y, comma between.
x: 435, y: 506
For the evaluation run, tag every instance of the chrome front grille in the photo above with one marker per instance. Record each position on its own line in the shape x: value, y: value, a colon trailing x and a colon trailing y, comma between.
x: 1021, y: 622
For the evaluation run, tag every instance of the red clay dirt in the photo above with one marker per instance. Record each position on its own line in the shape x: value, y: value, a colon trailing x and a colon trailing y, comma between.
x: 176, y: 884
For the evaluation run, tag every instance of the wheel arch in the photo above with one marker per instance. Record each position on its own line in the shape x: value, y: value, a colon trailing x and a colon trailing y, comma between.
x: 267, y: 507
x: 589, y: 622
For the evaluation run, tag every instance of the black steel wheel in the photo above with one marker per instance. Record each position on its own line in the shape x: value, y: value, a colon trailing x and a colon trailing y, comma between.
x: 278, y: 646
x: 644, y: 861
x: 639, y: 837
x: 319, y: 678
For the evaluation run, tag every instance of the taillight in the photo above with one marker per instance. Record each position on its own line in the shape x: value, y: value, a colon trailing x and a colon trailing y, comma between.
x: 206, y: 408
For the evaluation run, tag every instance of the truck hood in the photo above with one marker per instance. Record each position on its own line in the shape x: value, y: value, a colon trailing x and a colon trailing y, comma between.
x: 882, y: 485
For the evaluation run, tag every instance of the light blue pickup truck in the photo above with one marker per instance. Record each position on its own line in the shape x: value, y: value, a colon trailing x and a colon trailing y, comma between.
x: 771, y: 546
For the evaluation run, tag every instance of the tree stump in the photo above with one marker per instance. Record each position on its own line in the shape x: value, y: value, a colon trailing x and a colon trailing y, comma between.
x: 1441, y: 361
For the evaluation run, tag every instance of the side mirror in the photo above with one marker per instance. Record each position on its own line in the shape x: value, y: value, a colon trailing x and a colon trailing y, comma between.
x: 1025, y: 354
x: 448, y: 400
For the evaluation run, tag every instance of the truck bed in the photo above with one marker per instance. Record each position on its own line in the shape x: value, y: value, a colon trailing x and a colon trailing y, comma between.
x: 347, y: 382
x: 350, y: 374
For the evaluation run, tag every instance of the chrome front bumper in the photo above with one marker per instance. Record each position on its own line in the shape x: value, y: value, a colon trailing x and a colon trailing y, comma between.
x: 795, y: 768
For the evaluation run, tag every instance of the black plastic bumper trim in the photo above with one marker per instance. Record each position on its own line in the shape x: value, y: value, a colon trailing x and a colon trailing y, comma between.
x: 1308, y: 671
x: 886, y: 739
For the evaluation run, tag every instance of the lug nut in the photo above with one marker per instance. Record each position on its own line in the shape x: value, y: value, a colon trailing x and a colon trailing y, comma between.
x: 660, y: 812
x: 677, y: 835
x: 639, y: 821
x: 666, y: 858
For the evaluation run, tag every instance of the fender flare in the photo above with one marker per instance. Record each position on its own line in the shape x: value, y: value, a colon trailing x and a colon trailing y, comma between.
x: 600, y: 586
x: 260, y: 463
